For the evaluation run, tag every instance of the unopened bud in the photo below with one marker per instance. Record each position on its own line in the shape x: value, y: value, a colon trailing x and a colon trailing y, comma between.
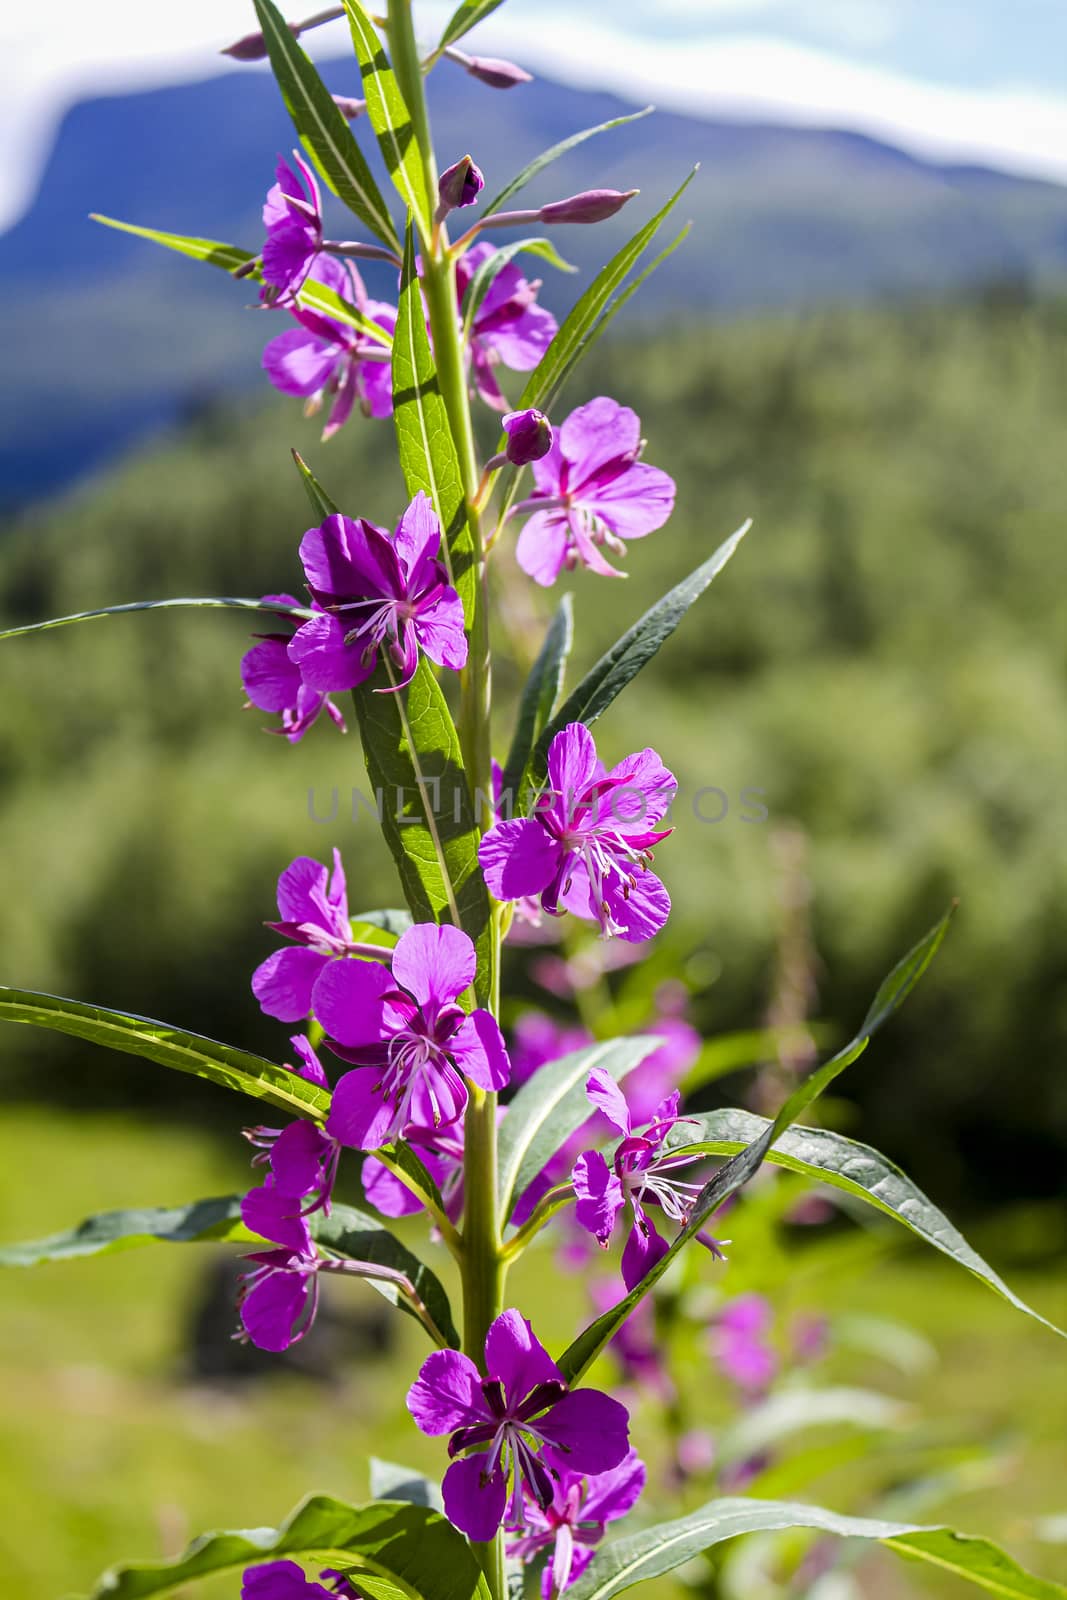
x: 592, y: 205
x: 490, y: 70
x: 529, y: 436
x: 348, y: 107
x: 460, y: 185
x: 253, y: 47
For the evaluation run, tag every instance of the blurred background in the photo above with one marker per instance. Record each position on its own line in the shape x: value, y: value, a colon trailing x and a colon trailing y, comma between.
x: 863, y: 346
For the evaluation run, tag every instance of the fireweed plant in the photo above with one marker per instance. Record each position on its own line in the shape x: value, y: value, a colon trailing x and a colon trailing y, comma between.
x: 398, y: 1085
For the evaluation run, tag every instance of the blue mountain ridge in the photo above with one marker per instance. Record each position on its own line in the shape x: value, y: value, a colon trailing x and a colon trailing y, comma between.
x: 106, y: 339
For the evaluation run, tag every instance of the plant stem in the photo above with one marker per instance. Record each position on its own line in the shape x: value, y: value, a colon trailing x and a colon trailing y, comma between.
x: 482, y: 1265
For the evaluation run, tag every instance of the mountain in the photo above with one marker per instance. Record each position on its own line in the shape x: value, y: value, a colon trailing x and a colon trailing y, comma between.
x: 105, y: 338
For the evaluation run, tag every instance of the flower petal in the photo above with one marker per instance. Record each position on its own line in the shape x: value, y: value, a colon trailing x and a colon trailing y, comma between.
x: 642, y: 1250
x: 612, y: 1494
x: 637, y: 502
x: 417, y: 540
x: 474, y: 1499
x: 597, y: 435
x: 477, y: 1048
x: 283, y: 983
x: 325, y: 663
x: 274, y: 1309
x: 606, y: 1095
x: 301, y: 888
x: 348, y: 1001
x: 276, y: 1216
x: 385, y: 1192
x: 642, y: 911
x: 599, y: 1196
x: 447, y: 1394
x: 345, y: 558
x: 434, y: 962
x: 572, y: 762
x: 587, y: 1431
x: 270, y: 680
x: 518, y: 858
x: 515, y: 1356
x: 541, y: 550
x: 359, y: 1117
x: 300, y: 362
x: 440, y: 632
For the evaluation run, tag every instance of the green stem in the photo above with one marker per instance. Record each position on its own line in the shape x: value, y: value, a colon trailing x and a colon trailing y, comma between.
x: 482, y: 1265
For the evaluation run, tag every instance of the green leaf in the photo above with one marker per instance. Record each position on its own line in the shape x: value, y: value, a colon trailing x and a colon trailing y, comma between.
x: 658, y: 1550
x: 546, y: 158
x: 391, y: 921
x: 735, y: 1173
x: 416, y: 769
x: 109, y: 1231
x: 424, y: 439
x: 580, y: 325
x: 484, y: 276
x: 360, y: 1237
x: 321, y: 503
x: 413, y: 1545
x: 466, y: 17
x: 389, y: 1481
x: 858, y: 1170
x: 214, y: 602
x: 315, y: 296
x: 605, y: 681
x: 169, y: 1047
x: 552, y: 1104
x: 791, y: 1410
x: 323, y: 129
x: 390, y: 119
x: 540, y: 694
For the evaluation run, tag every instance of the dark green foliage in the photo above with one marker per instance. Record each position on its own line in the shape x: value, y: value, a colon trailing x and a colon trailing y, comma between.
x: 885, y: 663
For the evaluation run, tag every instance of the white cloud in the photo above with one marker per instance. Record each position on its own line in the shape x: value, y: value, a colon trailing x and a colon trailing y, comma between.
x: 63, y: 50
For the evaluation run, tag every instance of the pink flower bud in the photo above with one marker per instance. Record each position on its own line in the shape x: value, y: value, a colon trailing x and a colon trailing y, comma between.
x: 252, y: 47
x: 529, y: 436
x: 460, y: 185
x: 592, y: 205
x: 348, y: 107
x: 490, y: 70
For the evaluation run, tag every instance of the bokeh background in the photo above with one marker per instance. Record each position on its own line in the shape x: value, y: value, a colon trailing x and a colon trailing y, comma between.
x: 863, y: 345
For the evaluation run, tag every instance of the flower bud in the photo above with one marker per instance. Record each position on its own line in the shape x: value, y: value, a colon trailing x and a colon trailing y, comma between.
x: 460, y: 185
x: 253, y: 47
x: 592, y: 205
x: 490, y: 70
x: 529, y: 436
x: 348, y: 107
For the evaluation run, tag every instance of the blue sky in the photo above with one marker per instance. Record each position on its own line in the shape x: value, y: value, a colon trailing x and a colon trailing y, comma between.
x: 968, y: 80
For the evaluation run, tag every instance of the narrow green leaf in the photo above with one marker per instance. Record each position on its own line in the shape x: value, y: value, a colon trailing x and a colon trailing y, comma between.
x: 605, y: 681
x: 485, y: 275
x: 169, y: 1047
x: 315, y: 296
x: 464, y: 18
x: 321, y: 503
x: 411, y: 1544
x: 858, y: 1170
x: 655, y: 1551
x: 323, y: 129
x: 213, y: 603
x: 360, y: 1237
x: 736, y: 1172
x: 424, y: 439
x: 109, y: 1231
x: 540, y: 694
x: 552, y: 1104
x: 390, y: 119
x: 546, y: 158
x: 416, y: 771
x: 548, y: 377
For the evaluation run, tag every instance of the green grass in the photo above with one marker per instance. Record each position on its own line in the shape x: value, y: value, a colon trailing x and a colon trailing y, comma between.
x: 105, y: 1451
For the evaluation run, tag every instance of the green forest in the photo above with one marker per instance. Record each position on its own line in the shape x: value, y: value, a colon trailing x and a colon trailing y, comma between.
x: 883, y: 659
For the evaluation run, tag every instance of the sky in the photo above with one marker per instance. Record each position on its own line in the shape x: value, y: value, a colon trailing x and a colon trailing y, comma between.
x: 969, y: 80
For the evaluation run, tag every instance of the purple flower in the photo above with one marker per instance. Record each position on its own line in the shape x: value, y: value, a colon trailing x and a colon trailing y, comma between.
x: 593, y: 492
x: 509, y: 326
x: 378, y: 594
x: 459, y: 185
x: 313, y: 907
x: 576, y: 1520
x: 642, y: 1173
x: 274, y: 683
x: 413, y: 1044
x: 278, y: 1299
x: 740, y: 1343
x: 529, y: 436
x: 292, y: 216
x: 654, y: 1077
x: 517, y: 1425
x: 325, y: 358
x: 587, y: 848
